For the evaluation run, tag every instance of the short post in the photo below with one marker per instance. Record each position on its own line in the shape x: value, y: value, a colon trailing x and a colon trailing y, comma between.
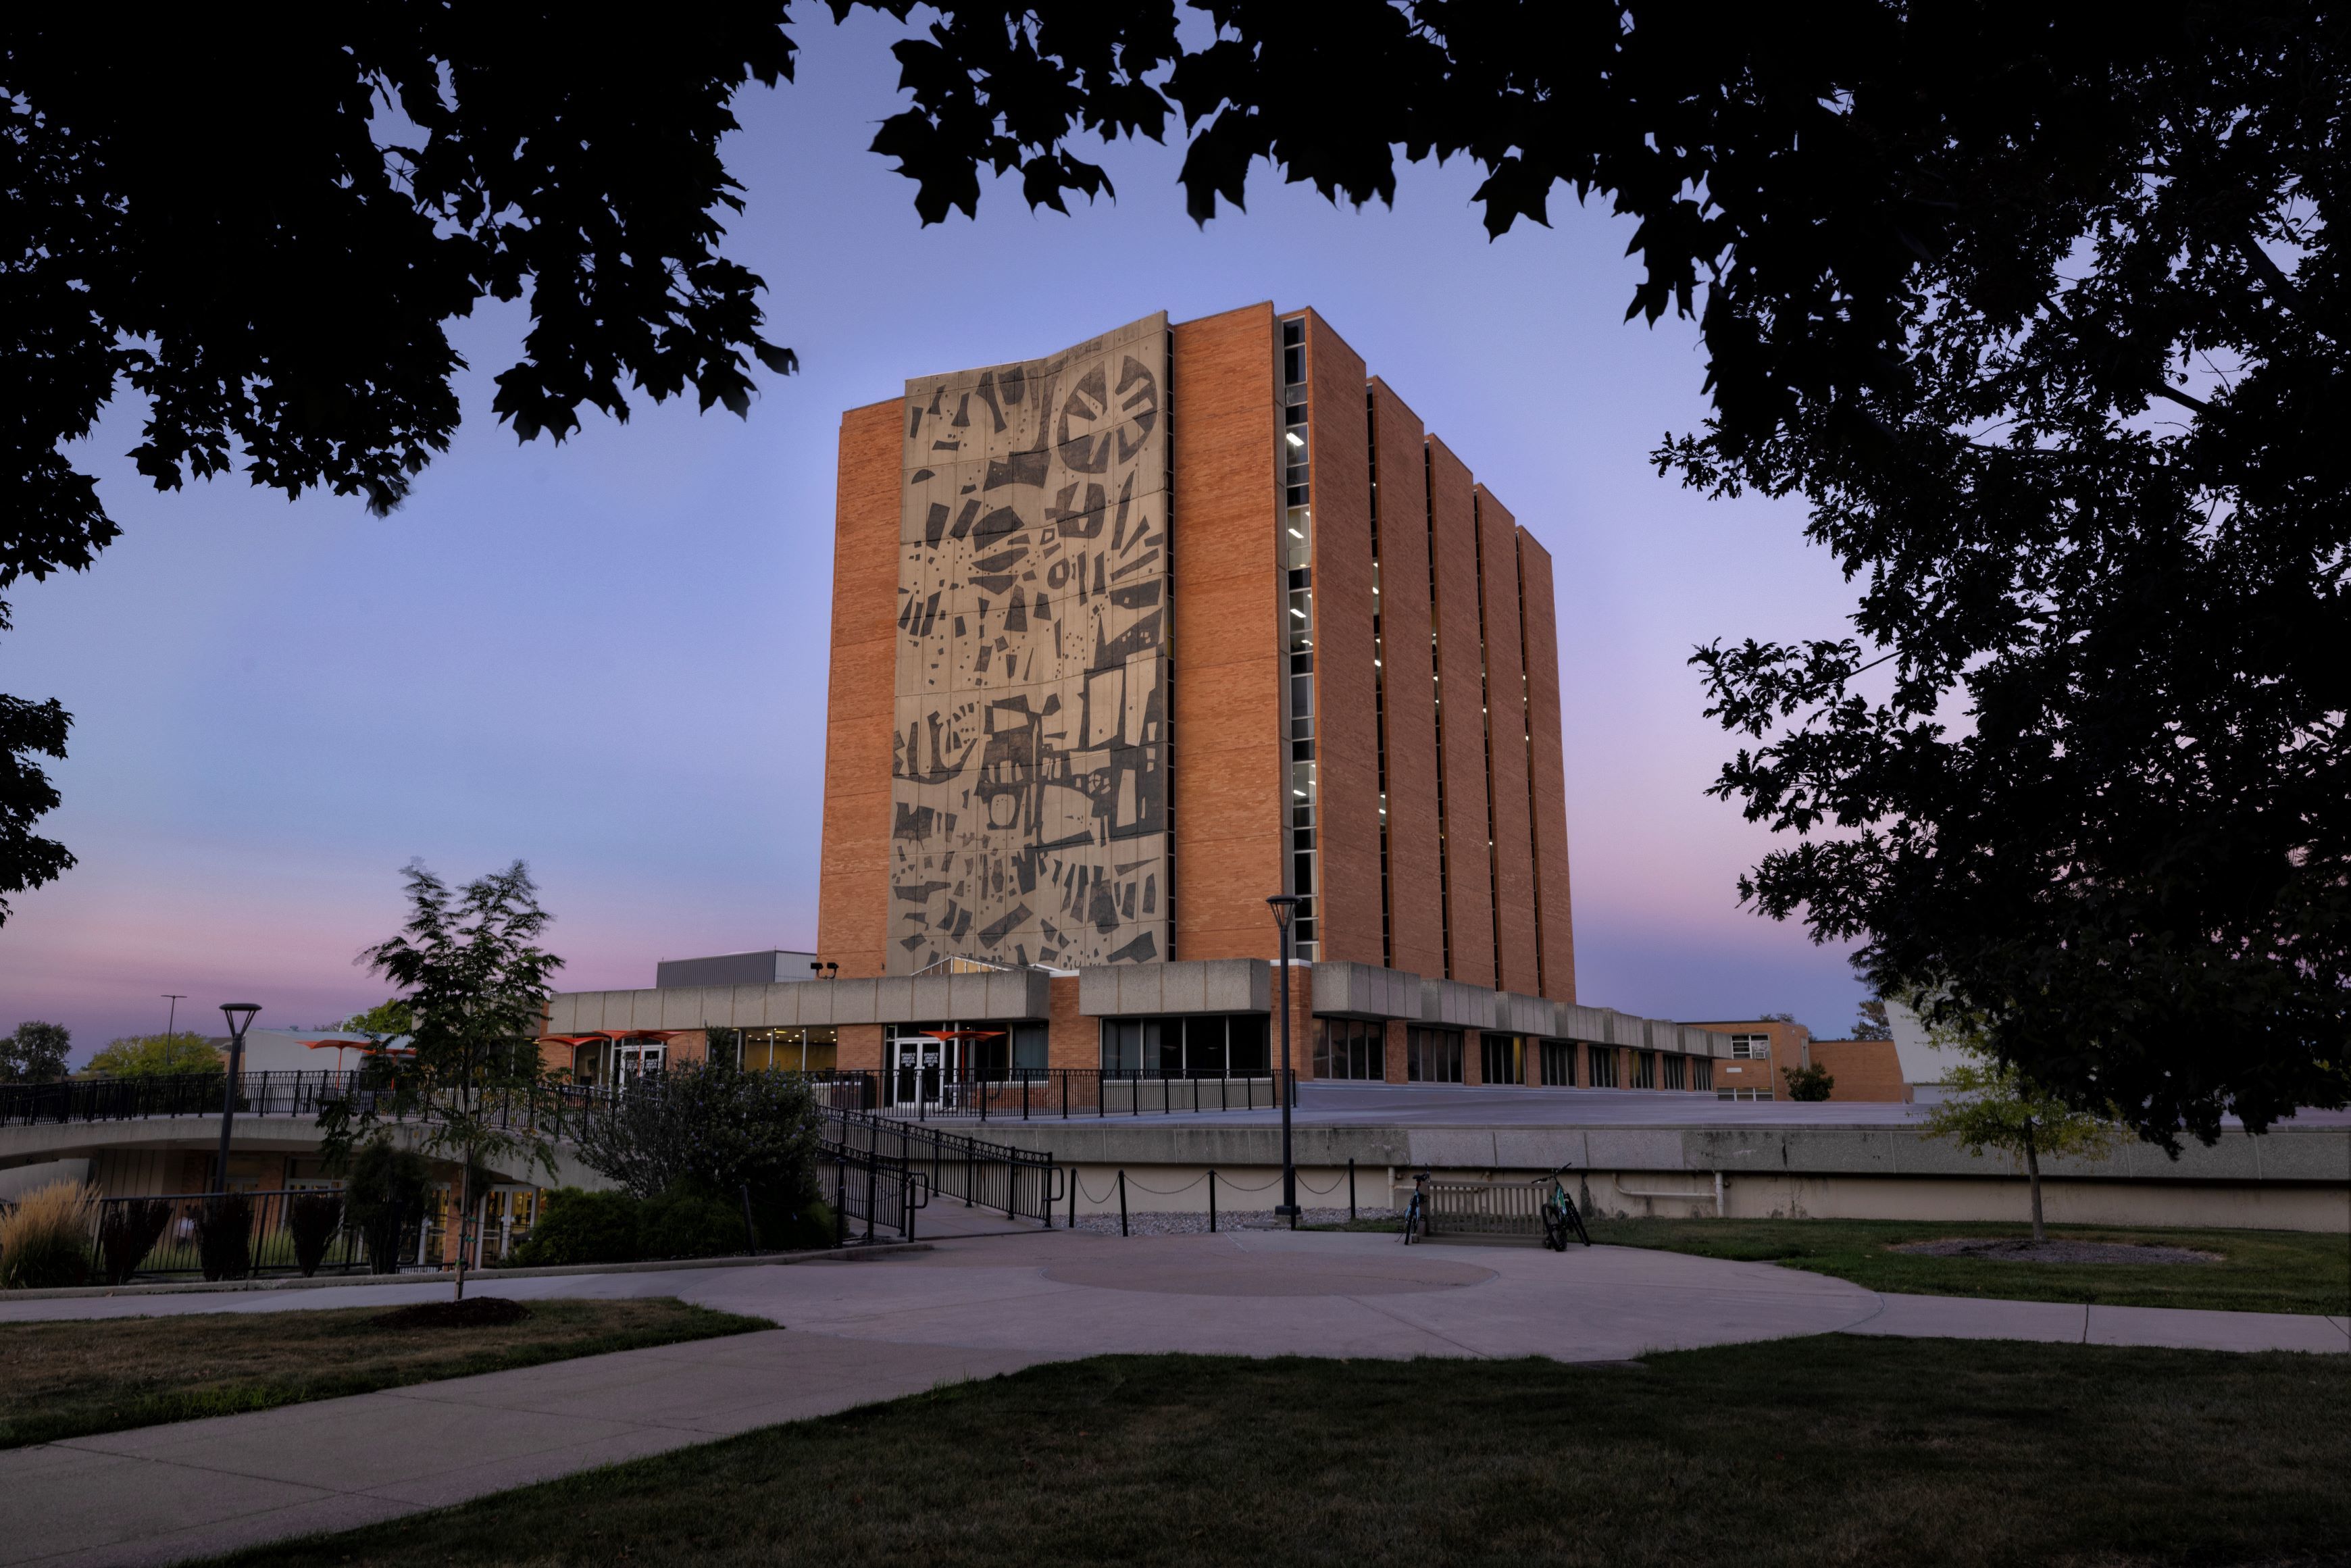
x: 1351, y: 1189
x: 750, y: 1231
x: 1212, y: 1200
x: 1073, y: 1192
x: 1122, y: 1202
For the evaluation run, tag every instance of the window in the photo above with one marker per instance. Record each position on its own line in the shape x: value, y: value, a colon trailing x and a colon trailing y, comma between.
x: 1296, y: 555
x: 788, y: 1050
x: 1645, y: 1070
x: 1677, y: 1072
x: 1504, y: 1058
x: 1743, y: 1095
x: 1702, y: 1072
x: 1750, y: 1047
x: 1432, y: 1056
x: 1600, y: 1062
x: 1350, y: 1047
x: 1192, y: 1045
x: 1559, y: 1063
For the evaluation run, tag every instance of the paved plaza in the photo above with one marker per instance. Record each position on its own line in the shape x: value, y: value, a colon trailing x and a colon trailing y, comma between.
x: 853, y: 1332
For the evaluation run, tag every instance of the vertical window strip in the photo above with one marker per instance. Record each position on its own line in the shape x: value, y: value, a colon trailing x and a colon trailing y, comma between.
x: 1174, y: 656
x: 1380, y: 689
x: 1486, y: 722
x: 1297, y: 541
x: 1437, y: 698
x: 1527, y: 722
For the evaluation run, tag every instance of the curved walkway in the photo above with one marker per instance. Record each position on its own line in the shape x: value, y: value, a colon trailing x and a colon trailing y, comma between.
x: 855, y: 1333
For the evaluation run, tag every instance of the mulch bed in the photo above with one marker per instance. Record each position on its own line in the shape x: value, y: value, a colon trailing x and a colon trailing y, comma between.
x: 2022, y: 1250
x: 473, y: 1313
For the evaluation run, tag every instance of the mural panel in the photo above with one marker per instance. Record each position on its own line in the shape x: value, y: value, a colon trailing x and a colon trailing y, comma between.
x: 1029, y: 769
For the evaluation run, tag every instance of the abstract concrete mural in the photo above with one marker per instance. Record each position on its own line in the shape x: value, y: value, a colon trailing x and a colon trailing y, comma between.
x: 1029, y: 769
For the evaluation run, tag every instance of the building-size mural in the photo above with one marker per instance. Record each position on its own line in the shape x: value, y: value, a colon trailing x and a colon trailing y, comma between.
x: 1029, y: 768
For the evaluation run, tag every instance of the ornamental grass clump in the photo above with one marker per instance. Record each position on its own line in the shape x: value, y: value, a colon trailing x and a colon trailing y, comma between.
x: 45, y: 1239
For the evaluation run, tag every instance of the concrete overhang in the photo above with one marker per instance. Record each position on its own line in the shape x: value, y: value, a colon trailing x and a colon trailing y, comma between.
x: 1202, y: 986
x: 1009, y: 995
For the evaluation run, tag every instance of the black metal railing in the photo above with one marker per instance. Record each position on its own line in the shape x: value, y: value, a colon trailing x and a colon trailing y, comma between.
x: 1023, y: 1183
x: 1040, y: 1094
x: 173, y: 1094
x: 919, y: 1094
x: 870, y: 1190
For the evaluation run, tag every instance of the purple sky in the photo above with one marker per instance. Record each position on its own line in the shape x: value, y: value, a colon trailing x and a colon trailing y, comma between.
x: 608, y: 658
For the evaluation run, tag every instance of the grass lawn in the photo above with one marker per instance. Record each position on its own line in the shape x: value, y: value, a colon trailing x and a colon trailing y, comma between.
x: 2263, y: 1272
x: 71, y: 1378
x: 1822, y: 1450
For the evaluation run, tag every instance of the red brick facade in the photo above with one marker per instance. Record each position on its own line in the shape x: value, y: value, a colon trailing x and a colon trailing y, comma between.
x: 1467, y: 684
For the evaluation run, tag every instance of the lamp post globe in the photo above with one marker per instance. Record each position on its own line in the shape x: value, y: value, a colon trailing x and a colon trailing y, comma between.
x: 1285, y: 1082
x: 240, y: 1019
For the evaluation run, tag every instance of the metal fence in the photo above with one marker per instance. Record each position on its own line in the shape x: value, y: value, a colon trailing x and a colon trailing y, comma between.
x: 1042, y: 1093
x: 173, y: 1094
x: 247, y: 1235
x: 869, y: 1189
x: 1023, y: 1183
x: 920, y: 1094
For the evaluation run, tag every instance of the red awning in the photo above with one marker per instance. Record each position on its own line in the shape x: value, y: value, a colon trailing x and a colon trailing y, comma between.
x: 967, y: 1034
x: 611, y: 1034
x: 366, y: 1046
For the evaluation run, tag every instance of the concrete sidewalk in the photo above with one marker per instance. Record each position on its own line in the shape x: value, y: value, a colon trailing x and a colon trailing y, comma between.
x: 970, y: 1308
x: 163, y: 1494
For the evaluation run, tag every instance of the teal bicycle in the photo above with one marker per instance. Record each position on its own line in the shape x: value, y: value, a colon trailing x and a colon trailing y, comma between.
x: 1560, y: 1216
x: 1416, y: 1210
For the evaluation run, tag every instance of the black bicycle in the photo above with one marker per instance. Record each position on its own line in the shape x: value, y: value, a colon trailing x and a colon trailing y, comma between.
x: 1560, y: 1216
x: 1416, y: 1210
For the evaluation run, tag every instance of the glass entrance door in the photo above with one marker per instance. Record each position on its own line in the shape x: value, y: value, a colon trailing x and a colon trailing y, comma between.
x: 634, y: 1058
x: 917, y: 1080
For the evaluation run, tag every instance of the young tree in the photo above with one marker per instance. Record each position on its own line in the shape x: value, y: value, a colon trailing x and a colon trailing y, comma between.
x: 35, y: 1053
x: 477, y: 985
x: 1990, y: 1106
x: 180, y: 1052
x: 385, y: 1020
x: 1808, y: 1082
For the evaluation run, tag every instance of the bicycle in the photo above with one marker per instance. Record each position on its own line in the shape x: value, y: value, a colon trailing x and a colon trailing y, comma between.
x: 1560, y: 1216
x: 1416, y: 1211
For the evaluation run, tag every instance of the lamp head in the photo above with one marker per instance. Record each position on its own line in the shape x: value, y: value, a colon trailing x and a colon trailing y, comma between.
x: 240, y: 1016
x: 1285, y: 905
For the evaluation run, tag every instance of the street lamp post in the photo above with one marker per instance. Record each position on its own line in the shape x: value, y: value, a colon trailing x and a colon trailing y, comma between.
x: 1285, y: 905
x: 240, y: 1019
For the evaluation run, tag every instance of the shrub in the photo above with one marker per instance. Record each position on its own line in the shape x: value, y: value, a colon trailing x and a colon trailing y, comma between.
x: 45, y: 1239
x: 713, y: 1128
x: 689, y: 1221
x: 385, y: 1192
x: 225, y: 1235
x: 313, y: 1217
x: 1808, y: 1082
x: 575, y: 1226
x: 129, y: 1232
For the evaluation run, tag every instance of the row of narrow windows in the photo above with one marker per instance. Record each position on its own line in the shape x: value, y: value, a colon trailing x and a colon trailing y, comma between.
x: 1299, y: 628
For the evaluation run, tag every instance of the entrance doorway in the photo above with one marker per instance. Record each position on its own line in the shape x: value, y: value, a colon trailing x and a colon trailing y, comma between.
x: 635, y: 1058
x: 918, y: 1075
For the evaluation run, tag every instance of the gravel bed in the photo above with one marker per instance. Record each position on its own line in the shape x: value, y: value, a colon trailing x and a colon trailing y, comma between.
x: 2023, y: 1250
x: 1185, y: 1224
